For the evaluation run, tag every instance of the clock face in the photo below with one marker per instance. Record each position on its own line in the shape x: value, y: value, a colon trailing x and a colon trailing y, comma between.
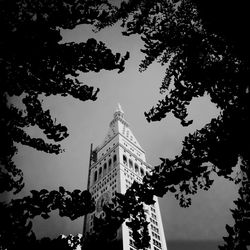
x: 103, y: 199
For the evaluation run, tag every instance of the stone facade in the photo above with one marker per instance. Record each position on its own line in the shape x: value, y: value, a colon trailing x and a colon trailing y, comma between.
x: 120, y: 160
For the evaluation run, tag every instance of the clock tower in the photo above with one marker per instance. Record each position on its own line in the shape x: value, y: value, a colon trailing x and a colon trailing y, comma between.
x: 119, y: 161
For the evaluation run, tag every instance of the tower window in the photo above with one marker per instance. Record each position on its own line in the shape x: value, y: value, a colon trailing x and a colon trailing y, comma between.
x: 109, y: 164
x: 136, y: 168
x: 100, y: 172
x: 114, y: 158
x: 95, y: 176
x: 125, y: 161
x: 104, y: 168
x: 142, y: 172
x: 130, y: 163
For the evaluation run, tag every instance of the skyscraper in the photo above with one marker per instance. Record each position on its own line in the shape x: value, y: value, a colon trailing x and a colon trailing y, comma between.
x: 119, y: 161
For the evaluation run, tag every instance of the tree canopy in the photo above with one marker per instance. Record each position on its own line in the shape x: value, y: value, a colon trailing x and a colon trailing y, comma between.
x: 200, y: 58
x: 35, y: 63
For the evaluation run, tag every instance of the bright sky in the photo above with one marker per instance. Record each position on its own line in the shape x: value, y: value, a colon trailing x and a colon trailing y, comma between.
x: 88, y: 123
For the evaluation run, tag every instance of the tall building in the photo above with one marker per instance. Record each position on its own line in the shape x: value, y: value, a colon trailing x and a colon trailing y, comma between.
x: 119, y: 161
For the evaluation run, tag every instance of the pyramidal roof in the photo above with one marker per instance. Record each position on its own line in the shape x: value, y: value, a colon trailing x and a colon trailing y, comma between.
x: 120, y: 126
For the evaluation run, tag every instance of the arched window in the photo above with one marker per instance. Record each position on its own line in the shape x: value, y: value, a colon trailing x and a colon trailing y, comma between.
x: 95, y: 176
x: 100, y: 172
x: 104, y: 168
x: 125, y: 161
x: 130, y: 163
x: 136, y: 168
x: 142, y: 172
x: 110, y: 162
x: 114, y: 158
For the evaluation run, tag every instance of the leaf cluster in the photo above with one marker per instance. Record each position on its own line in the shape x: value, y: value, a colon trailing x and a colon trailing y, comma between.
x: 200, y: 58
x: 197, y: 61
x: 239, y: 234
x: 16, y: 216
x: 123, y: 208
x: 34, y: 61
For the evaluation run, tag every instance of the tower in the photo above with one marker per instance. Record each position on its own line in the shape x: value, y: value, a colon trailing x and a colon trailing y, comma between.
x: 119, y: 161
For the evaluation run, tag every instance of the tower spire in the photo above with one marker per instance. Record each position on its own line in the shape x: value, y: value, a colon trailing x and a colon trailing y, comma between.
x: 119, y: 109
x: 119, y: 161
x: 119, y: 112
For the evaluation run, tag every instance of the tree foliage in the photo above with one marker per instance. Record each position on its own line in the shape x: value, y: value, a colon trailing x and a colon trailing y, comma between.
x: 200, y: 57
x: 128, y: 208
x: 16, y: 216
x: 62, y: 242
x: 35, y: 63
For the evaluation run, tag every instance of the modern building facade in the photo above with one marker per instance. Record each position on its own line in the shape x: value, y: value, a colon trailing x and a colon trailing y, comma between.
x: 119, y: 161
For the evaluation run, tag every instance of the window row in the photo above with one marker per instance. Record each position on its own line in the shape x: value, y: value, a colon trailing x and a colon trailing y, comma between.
x: 156, y: 236
x: 95, y: 195
x: 153, y: 221
x: 133, y: 166
x: 154, y: 228
x: 153, y: 216
x: 132, y: 176
x: 110, y: 179
x: 108, y: 149
x: 127, y: 146
x: 104, y: 190
x: 103, y: 169
x: 156, y: 243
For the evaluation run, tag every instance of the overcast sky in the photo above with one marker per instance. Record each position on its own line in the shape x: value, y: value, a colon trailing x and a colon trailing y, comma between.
x: 88, y: 123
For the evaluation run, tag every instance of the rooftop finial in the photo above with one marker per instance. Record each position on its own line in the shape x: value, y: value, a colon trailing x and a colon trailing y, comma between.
x: 119, y: 108
x: 119, y: 112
